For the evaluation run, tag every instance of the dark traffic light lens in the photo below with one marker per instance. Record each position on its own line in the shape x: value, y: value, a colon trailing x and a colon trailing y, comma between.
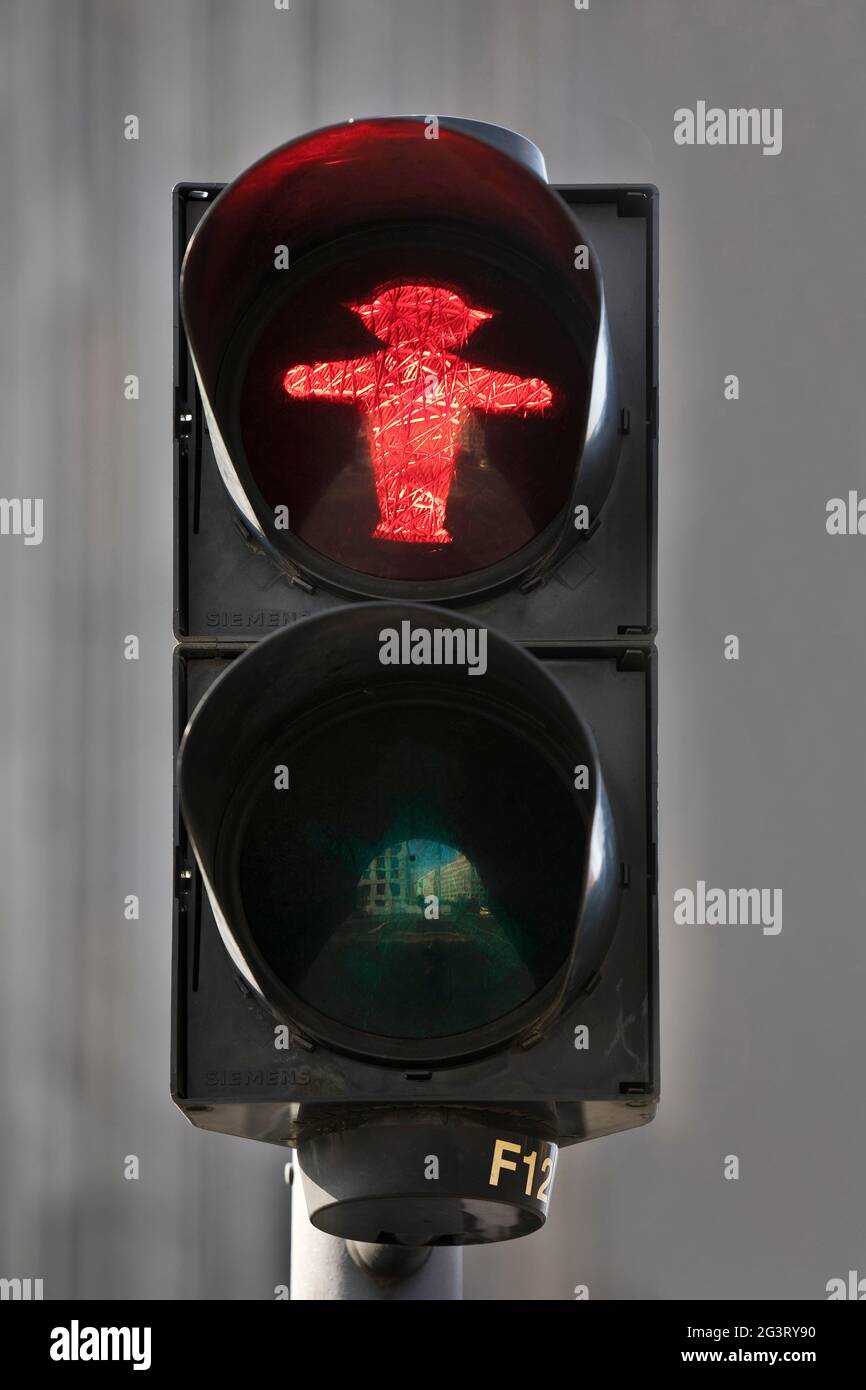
x: 416, y: 411
x: 421, y: 875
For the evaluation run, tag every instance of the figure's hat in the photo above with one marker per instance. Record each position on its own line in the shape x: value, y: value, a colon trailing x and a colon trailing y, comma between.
x: 402, y: 312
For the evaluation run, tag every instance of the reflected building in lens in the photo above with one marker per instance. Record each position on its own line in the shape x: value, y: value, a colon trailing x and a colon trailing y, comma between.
x: 387, y: 883
x: 454, y: 882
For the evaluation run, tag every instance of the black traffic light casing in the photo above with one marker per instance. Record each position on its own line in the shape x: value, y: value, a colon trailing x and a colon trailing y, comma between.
x: 228, y: 584
x: 228, y: 1075
x: 591, y: 1071
x: 243, y: 1060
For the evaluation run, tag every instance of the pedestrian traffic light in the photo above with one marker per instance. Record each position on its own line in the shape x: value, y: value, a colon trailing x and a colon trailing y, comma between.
x: 415, y: 899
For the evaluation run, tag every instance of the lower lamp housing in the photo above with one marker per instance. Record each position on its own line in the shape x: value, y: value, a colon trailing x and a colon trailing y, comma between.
x: 415, y: 927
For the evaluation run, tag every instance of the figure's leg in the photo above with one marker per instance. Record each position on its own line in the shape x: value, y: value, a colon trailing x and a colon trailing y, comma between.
x: 409, y: 508
x: 429, y: 494
x: 379, y: 460
x: 418, y: 507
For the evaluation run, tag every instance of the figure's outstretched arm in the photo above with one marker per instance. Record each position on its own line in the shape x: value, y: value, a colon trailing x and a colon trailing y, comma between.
x: 495, y: 391
x: 335, y: 381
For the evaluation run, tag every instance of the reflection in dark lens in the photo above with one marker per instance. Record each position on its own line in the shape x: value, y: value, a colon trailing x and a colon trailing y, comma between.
x: 422, y: 921
x: 422, y: 875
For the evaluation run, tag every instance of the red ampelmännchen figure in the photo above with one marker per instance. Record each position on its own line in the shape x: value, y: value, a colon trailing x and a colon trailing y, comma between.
x: 416, y: 394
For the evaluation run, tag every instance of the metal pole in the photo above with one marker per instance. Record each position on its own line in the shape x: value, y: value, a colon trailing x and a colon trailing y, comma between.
x: 322, y: 1268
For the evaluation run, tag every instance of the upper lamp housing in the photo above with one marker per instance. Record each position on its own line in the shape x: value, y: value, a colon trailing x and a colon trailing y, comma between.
x: 404, y: 361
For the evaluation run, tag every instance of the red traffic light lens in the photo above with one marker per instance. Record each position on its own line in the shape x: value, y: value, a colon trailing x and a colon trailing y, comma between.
x: 405, y: 367
x: 414, y: 410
